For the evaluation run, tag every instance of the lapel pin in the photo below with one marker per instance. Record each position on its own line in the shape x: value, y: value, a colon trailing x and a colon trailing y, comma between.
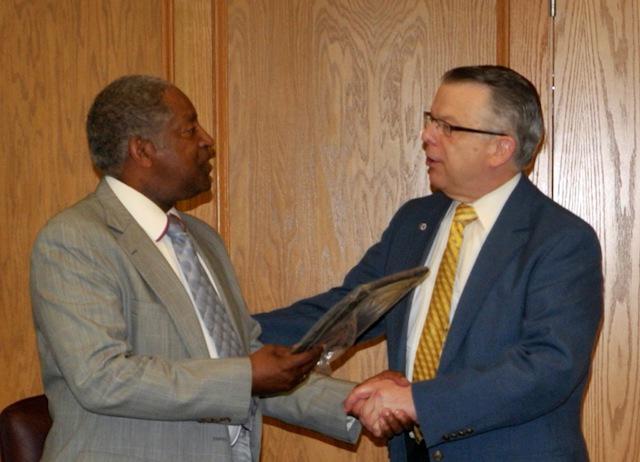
x: 422, y: 226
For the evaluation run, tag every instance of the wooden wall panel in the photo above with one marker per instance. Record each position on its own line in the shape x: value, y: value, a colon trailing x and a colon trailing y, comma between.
x: 325, y: 111
x: 596, y: 174
x: 55, y: 56
x: 530, y: 53
x: 192, y: 70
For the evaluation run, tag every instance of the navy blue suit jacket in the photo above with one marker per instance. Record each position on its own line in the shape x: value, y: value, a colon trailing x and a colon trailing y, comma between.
x: 516, y: 360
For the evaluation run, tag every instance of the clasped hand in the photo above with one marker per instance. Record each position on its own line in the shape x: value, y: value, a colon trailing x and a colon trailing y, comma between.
x: 383, y: 404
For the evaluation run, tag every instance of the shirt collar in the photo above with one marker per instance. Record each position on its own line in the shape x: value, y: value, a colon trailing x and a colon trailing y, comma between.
x: 489, y: 206
x: 144, y: 211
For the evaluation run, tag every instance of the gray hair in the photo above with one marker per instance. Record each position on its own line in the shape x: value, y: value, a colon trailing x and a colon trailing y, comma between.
x: 515, y: 103
x: 132, y: 105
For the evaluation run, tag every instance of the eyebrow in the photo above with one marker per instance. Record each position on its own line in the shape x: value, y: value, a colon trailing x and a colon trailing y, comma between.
x: 447, y: 118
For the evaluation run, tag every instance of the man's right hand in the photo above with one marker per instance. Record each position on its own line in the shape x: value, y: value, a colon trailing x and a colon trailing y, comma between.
x: 383, y: 404
x: 275, y: 369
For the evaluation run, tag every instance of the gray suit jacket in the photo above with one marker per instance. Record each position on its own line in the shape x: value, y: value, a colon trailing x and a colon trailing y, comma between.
x: 124, y: 363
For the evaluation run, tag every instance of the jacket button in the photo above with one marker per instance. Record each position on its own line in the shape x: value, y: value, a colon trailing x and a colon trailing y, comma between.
x: 437, y: 455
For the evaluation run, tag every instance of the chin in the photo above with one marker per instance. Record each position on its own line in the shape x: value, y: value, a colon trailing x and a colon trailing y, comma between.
x: 202, y: 191
x: 434, y: 188
x: 204, y: 184
x: 434, y: 184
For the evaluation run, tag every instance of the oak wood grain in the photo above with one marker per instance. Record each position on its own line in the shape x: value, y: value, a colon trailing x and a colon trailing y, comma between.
x: 192, y: 38
x: 596, y: 175
x: 55, y: 56
x: 325, y: 112
x: 531, y: 53
x: 324, y: 101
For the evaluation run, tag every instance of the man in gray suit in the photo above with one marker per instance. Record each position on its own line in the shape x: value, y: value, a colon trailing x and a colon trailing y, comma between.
x: 131, y: 362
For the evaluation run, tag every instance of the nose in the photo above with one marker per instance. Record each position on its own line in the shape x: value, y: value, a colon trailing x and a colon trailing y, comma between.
x: 206, y: 140
x: 428, y: 133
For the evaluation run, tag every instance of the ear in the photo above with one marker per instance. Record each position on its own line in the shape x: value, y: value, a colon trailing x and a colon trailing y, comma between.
x: 141, y: 151
x: 504, y: 150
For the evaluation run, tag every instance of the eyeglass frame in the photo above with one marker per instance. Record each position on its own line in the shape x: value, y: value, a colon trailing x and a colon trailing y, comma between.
x: 447, y: 128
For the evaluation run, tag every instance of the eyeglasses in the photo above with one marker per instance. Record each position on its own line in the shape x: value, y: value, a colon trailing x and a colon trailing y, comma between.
x: 446, y: 128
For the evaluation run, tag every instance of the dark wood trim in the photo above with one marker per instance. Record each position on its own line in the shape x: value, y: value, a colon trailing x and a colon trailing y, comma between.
x: 221, y: 105
x: 502, y: 32
x: 168, y: 52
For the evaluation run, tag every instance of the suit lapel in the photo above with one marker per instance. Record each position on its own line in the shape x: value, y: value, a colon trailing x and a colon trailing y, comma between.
x: 509, y: 233
x: 155, y: 270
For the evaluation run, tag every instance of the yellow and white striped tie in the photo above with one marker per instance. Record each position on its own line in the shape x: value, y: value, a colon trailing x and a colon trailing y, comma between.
x: 437, y: 324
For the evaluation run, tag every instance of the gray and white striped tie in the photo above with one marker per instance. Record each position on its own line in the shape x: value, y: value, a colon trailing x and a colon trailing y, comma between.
x: 213, y: 313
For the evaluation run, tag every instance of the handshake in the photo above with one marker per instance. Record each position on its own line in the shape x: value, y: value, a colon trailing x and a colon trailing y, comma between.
x: 383, y: 404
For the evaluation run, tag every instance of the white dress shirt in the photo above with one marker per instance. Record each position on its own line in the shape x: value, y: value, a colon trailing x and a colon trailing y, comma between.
x: 487, y: 208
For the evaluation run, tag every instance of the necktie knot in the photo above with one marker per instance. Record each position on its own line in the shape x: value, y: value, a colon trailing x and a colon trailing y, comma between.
x: 175, y: 228
x: 465, y: 214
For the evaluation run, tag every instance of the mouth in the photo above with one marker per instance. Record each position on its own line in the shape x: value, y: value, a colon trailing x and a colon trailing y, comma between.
x: 207, y: 169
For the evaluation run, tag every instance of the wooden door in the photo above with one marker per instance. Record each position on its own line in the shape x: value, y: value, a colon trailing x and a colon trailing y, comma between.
x: 596, y: 174
x: 330, y: 100
x: 56, y: 55
x: 586, y: 63
x: 325, y: 113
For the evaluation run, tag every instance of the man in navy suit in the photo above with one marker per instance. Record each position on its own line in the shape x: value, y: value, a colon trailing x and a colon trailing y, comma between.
x: 526, y: 298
